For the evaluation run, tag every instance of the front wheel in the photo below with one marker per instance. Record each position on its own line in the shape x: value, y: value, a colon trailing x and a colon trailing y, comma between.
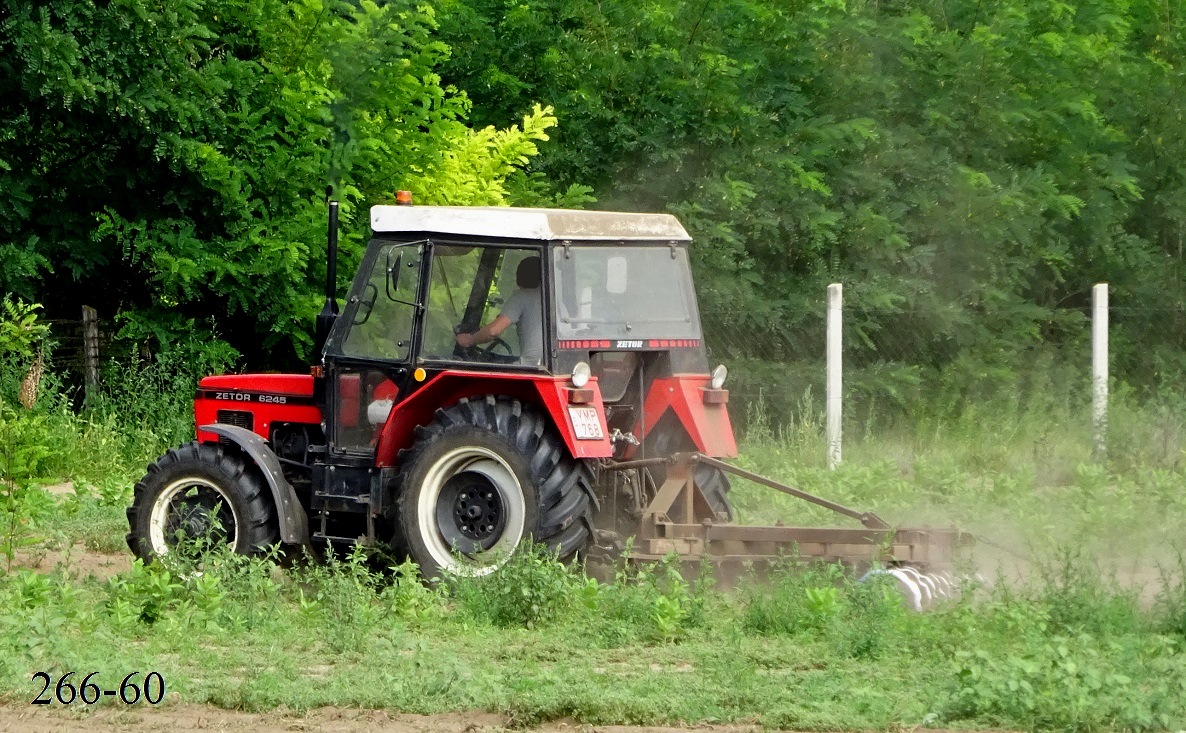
x: 481, y: 478
x: 201, y: 495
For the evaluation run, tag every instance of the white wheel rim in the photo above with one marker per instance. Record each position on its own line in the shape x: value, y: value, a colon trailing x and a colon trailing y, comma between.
x: 498, y: 472
x: 161, y: 508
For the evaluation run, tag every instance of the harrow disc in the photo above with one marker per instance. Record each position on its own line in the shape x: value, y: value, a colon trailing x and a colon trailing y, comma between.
x: 920, y: 591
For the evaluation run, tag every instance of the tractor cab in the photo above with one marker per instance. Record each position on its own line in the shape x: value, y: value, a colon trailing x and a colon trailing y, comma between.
x: 543, y: 292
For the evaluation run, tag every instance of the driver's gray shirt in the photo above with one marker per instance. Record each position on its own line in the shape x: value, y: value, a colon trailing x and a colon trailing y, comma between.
x: 525, y: 308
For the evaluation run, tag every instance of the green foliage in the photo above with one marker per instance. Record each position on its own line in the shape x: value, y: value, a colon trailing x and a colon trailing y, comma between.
x: 24, y: 446
x: 796, y: 598
x: 652, y: 603
x: 143, y: 408
x: 859, y: 619
x: 532, y: 588
x: 22, y: 507
x: 1077, y: 597
x: 868, y: 618
x: 183, y: 148
x: 1171, y: 597
x: 145, y: 594
x: 967, y: 171
x: 1024, y: 667
x: 1064, y: 684
x: 409, y: 598
x: 20, y: 331
x: 151, y: 399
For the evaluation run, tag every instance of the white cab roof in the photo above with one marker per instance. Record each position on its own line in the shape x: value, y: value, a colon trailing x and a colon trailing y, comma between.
x: 514, y: 223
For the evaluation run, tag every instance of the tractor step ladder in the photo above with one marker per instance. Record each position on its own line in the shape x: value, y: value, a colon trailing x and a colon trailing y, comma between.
x: 323, y: 535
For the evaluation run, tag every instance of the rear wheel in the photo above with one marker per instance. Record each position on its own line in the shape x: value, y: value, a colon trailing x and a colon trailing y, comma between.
x: 668, y: 439
x: 201, y: 495
x: 483, y: 477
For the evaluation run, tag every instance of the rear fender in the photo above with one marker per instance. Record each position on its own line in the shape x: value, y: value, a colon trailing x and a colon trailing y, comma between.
x: 550, y: 394
x: 688, y: 396
x: 294, y: 522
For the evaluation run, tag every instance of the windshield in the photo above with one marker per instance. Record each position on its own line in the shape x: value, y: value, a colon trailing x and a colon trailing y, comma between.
x: 624, y: 292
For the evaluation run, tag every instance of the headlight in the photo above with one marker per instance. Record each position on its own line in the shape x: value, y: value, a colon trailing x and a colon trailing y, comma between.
x: 581, y: 374
x: 718, y: 376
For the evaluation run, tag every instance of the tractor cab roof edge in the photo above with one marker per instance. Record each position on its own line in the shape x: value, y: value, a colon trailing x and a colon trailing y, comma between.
x: 521, y: 223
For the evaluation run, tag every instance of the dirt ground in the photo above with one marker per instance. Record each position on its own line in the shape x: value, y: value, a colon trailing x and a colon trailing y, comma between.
x: 185, y: 717
x: 78, y: 560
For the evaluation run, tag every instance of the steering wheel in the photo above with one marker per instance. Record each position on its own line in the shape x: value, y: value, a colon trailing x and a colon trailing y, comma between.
x: 485, y: 352
x: 488, y: 349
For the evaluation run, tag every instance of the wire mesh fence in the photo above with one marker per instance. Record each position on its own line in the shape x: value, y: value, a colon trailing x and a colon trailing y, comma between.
x: 938, y: 359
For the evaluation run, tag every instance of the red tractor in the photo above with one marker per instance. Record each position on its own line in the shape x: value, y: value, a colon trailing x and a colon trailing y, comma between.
x: 496, y: 374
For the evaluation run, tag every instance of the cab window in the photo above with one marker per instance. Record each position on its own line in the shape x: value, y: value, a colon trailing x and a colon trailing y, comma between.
x: 469, y: 288
x: 381, y: 312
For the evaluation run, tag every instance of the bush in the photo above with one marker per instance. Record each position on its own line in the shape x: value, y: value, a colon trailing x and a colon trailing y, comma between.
x: 532, y: 588
x: 1062, y: 683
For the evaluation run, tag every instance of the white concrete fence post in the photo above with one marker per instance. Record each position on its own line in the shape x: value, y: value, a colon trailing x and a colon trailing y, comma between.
x: 1099, y: 368
x: 835, y: 382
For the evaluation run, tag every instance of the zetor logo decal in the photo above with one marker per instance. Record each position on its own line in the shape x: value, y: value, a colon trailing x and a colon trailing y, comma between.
x: 630, y: 344
x: 272, y: 399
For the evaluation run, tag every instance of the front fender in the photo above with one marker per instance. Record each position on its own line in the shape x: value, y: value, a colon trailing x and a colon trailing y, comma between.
x: 707, y: 422
x: 294, y: 522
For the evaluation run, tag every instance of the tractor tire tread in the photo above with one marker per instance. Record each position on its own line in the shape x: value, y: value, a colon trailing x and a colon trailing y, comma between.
x: 213, y: 461
x: 563, y: 485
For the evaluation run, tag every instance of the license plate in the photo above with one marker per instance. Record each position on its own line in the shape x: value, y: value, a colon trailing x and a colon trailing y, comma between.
x: 585, y: 423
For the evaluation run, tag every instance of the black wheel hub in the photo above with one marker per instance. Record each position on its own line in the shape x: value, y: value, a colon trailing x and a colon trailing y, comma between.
x: 470, y: 513
x: 199, y: 514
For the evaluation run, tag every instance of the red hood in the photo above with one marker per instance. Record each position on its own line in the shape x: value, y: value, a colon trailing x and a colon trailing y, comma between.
x: 293, y: 384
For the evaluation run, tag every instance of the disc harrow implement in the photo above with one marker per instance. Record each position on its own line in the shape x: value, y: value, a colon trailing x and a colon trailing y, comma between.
x: 679, y: 520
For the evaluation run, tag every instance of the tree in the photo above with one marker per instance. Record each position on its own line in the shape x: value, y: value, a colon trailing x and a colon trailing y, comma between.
x: 968, y: 169
x: 169, y: 159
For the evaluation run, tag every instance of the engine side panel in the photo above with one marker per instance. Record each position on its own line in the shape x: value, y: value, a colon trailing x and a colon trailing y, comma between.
x: 258, y: 399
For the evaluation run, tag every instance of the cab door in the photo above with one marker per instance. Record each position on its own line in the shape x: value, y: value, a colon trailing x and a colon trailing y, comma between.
x: 371, y: 349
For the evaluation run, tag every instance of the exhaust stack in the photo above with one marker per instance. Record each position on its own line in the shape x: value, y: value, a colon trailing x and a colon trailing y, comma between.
x: 329, y: 312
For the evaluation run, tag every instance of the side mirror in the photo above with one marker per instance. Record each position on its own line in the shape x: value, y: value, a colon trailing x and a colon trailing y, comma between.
x: 393, y: 266
x: 366, y: 305
x: 616, y: 278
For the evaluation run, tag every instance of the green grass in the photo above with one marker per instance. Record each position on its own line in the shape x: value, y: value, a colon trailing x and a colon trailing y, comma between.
x: 1021, y: 473
x: 1067, y: 651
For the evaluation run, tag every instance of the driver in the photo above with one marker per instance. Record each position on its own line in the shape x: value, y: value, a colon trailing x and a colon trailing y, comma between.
x: 524, y: 308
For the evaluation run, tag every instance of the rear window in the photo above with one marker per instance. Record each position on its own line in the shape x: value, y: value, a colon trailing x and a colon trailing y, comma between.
x: 625, y: 292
